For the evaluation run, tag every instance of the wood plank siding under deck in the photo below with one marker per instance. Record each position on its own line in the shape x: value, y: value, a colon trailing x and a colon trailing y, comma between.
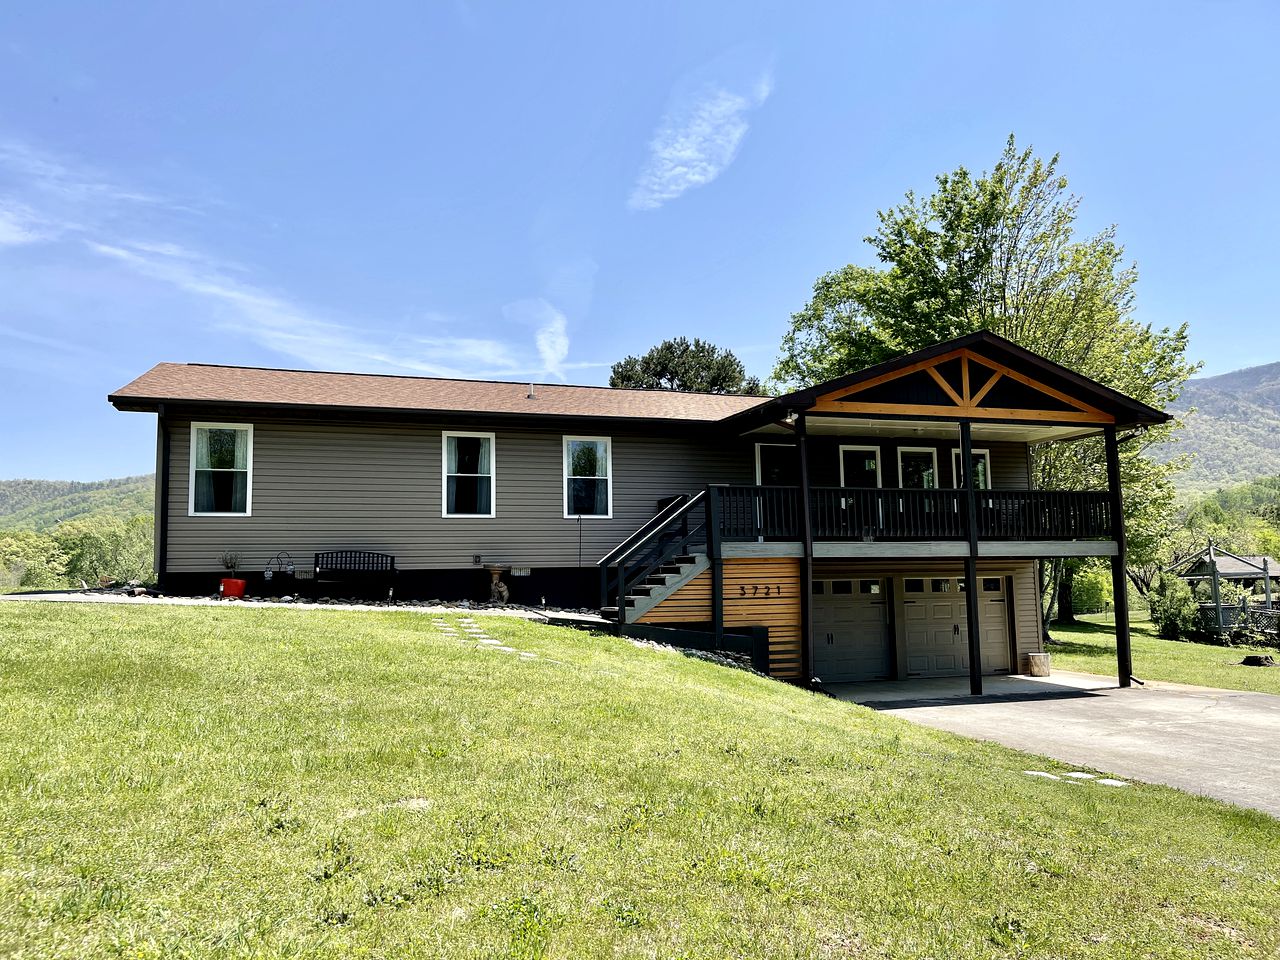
x: 757, y: 592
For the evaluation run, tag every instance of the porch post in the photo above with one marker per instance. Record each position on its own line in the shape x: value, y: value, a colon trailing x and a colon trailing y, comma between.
x: 806, y: 571
x: 717, y: 562
x: 971, y: 558
x: 1119, y: 562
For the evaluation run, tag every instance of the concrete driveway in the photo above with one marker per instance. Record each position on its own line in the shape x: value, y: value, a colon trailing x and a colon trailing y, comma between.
x: 1219, y: 743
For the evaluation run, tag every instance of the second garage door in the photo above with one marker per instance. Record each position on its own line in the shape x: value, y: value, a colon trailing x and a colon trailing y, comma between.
x: 936, y: 626
x: 851, y: 630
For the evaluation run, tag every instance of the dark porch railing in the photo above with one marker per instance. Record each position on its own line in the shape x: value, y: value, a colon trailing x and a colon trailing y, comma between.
x: 855, y: 513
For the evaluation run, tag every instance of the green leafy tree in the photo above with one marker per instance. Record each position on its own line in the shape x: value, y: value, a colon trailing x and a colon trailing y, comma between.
x: 693, y: 366
x: 999, y: 251
x: 31, y: 561
x: 106, y: 548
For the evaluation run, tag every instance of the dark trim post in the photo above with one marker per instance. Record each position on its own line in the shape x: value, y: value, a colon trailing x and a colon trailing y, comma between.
x: 1120, y: 561
x: 717, y: 562
x: 162, y: 496
x: 971, y: 558
x: 806, y: 566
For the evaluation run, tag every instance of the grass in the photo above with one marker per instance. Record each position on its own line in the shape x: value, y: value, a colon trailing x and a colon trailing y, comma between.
x: 1090, y: 647
x: 241, y: 783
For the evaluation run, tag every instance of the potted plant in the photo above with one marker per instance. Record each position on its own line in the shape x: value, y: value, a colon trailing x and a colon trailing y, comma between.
x: 231, y: 586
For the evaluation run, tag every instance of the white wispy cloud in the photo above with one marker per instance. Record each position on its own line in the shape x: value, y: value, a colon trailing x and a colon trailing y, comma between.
x: 74, y: 182
x: 696, y: 140
x: 289, y: 328
x: 551, y: 332
x: 49, y: 199
x: 18, y: 226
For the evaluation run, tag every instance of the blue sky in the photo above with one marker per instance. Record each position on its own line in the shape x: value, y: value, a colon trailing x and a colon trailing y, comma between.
x: 536, y: 190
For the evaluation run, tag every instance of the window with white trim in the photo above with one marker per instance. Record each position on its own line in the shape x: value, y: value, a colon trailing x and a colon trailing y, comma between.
x: 468, y: 468
x: 221, y: 482
x: 981, y: 469
x: 588, y: 477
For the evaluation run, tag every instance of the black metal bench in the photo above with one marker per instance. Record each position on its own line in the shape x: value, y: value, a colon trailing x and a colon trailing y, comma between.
x: 358, y: 569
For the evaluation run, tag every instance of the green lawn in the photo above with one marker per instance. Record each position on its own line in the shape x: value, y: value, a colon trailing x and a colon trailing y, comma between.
x: 1091, y: 648
x: 196, y: 782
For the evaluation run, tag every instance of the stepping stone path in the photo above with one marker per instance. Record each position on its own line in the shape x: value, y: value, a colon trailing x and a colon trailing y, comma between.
x: 476, y: 632
x: 1078, y: 776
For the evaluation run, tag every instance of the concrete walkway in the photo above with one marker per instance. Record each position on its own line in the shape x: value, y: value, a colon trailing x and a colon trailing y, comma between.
x: 1220, y: 743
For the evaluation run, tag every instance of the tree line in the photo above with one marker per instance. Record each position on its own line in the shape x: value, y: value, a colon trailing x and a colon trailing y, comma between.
x: 90, y: 550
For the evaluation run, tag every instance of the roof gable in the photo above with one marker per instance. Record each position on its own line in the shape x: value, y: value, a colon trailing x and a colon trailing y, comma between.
x: 962, y: 382
x: 980, y: 376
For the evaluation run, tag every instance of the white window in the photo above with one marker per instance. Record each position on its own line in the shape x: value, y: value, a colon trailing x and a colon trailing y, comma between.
x: 588, y: 477
x: 221, y: 481
x: 859, y: 466
x: 468, y: 468
x: 981, y: 469
x: 918, y: 468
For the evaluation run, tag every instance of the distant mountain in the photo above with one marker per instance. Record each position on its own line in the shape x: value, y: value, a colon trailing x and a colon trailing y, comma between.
x: 1234, y: 432
x: 43, y: 504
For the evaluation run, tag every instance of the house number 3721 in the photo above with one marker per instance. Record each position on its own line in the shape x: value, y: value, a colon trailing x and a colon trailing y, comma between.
x: 759, y: 589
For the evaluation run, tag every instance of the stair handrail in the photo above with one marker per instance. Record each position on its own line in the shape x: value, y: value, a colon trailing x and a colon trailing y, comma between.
x: 634, y: 542
x: 683, y: 505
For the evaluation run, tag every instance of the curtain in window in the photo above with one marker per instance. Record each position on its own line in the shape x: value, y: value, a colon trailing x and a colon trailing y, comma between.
x: 588, y: 480
x: 469, y: 476
x: 222, y: 470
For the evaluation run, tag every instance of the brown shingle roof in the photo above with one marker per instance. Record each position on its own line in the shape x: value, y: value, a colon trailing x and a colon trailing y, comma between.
x: 205, y: 383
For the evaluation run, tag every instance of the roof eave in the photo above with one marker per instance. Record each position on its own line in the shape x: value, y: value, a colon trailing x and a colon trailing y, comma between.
x: 130, y: 404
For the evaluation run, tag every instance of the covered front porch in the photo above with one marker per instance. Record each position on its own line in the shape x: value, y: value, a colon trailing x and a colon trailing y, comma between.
x: 924, y: 458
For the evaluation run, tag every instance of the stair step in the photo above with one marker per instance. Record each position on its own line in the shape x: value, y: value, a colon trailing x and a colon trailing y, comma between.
x: 609, y: 613
x: 685, y: 559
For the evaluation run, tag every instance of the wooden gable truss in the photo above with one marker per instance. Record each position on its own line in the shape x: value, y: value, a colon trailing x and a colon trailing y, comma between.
x: 960, y: 385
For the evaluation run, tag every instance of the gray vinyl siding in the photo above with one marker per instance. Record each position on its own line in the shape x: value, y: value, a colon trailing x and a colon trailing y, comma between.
x: 369, y: 486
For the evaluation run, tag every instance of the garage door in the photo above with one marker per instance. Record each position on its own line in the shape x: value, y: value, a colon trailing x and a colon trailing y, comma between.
x: 850, y: 630
x: 936, y: 626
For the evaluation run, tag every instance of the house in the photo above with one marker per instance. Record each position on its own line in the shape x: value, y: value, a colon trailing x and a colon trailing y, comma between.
x: 869, y: 523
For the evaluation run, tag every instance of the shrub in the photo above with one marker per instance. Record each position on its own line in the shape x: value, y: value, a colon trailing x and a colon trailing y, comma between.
x: 1174, y: 610
x: 1091, y: 590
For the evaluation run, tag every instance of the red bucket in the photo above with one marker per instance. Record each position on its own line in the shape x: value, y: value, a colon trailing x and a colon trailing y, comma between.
x: 233, y: 588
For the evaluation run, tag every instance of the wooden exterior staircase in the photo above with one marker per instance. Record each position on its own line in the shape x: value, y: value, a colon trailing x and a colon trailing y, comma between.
x: 643, y: 596
x: 655, y: 561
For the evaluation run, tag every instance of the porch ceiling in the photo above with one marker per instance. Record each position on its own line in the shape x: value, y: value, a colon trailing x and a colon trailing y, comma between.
x: 845, y: 426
